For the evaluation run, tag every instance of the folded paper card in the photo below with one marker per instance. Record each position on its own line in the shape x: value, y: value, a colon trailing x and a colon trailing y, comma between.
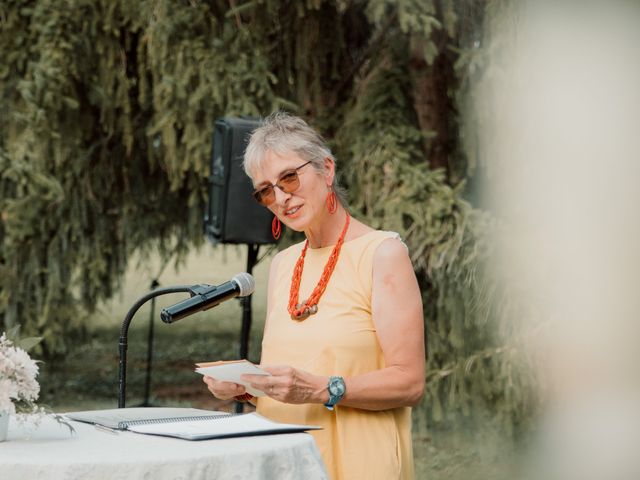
x: 231, y: 371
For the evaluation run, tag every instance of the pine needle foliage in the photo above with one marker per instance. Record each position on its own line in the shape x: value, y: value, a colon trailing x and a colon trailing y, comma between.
x: 105, y: 143
x: 476, y: 357
x: 105, y: 136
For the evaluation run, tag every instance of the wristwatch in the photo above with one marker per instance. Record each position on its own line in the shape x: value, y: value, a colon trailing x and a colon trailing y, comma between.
x: 336, y: 389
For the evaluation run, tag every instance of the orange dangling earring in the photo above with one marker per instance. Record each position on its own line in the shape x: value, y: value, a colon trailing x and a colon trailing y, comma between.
x: 332, y: 201
x: 276, y: 228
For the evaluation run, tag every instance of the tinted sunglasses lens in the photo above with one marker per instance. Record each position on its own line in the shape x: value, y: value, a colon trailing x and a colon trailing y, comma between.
x: 264, y: 196
x: 289, y: 182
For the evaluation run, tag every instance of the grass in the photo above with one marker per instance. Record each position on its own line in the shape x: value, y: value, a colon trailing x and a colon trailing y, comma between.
x: 87, y: 378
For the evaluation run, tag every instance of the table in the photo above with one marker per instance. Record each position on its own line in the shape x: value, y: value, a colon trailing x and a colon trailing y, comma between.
x: 51, y: 452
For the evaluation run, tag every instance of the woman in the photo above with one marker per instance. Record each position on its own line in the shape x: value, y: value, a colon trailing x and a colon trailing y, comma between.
x: 343, y: 339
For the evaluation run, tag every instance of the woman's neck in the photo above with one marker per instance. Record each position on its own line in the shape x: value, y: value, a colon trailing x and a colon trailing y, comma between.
x: 328, y: 230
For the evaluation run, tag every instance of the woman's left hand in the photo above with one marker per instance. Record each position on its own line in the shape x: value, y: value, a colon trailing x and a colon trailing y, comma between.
x: 290, y: 385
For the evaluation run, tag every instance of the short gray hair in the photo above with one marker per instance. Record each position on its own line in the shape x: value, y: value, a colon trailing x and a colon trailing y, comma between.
x: 281, y: 133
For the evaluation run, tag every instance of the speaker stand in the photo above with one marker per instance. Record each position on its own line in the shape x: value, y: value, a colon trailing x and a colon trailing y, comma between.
x: 252, y: 259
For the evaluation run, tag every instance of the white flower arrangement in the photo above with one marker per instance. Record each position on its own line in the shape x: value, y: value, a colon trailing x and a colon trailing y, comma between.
x: 19, y: 389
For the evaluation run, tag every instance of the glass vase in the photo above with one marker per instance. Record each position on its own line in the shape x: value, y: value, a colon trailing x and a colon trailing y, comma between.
x: 4, y: 425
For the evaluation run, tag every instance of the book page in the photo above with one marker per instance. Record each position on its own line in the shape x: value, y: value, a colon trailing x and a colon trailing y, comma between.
x: 231, y: 371
x: 231, y: 426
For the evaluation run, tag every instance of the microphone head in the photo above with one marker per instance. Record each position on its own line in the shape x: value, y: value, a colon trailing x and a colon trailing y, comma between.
x: 246, y: 283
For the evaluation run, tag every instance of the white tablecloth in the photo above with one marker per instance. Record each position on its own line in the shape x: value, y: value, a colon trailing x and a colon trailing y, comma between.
x: 50, y: 452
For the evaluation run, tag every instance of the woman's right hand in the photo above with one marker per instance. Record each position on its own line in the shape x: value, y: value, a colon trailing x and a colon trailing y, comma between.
x: 223, y: 390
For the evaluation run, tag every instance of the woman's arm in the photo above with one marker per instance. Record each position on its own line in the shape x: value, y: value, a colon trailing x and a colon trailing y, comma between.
x: 397, y: 314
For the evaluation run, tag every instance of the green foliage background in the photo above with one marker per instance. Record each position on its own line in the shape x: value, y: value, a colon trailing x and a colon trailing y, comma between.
x: 107, y: 114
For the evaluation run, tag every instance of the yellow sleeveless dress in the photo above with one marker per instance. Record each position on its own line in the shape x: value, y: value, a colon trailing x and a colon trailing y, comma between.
x: 340, y: 339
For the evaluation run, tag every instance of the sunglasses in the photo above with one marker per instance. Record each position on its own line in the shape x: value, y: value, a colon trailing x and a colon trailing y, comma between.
x: 288, y: 182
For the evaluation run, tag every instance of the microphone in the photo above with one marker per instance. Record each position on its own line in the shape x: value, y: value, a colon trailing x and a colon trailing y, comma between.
x: 204, y: 297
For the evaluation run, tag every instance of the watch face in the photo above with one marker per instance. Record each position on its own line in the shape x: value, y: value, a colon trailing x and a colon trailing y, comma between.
x: 336, y: 387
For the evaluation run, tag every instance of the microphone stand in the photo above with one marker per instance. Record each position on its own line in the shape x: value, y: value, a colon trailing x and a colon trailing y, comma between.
x: 124, y: 331
x: 147, y: 382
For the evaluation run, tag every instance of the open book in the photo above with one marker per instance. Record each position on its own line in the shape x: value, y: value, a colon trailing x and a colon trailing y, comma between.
x: 187, y: 423
x: 231, y: 371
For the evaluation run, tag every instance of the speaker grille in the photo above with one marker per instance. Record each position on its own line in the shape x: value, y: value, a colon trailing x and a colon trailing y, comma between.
x: 232, y: 215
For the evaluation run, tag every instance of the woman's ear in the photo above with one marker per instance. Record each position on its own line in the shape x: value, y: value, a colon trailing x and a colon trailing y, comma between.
x: 330, y: 170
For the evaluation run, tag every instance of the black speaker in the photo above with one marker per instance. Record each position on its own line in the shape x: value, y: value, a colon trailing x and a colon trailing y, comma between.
x: 232, y: 215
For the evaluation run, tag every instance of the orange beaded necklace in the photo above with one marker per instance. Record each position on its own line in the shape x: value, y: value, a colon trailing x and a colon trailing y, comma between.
x: 300, y: 311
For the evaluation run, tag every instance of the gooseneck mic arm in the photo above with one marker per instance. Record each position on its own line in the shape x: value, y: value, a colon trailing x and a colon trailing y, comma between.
x: 203, y: 297
x: 124, y: 331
